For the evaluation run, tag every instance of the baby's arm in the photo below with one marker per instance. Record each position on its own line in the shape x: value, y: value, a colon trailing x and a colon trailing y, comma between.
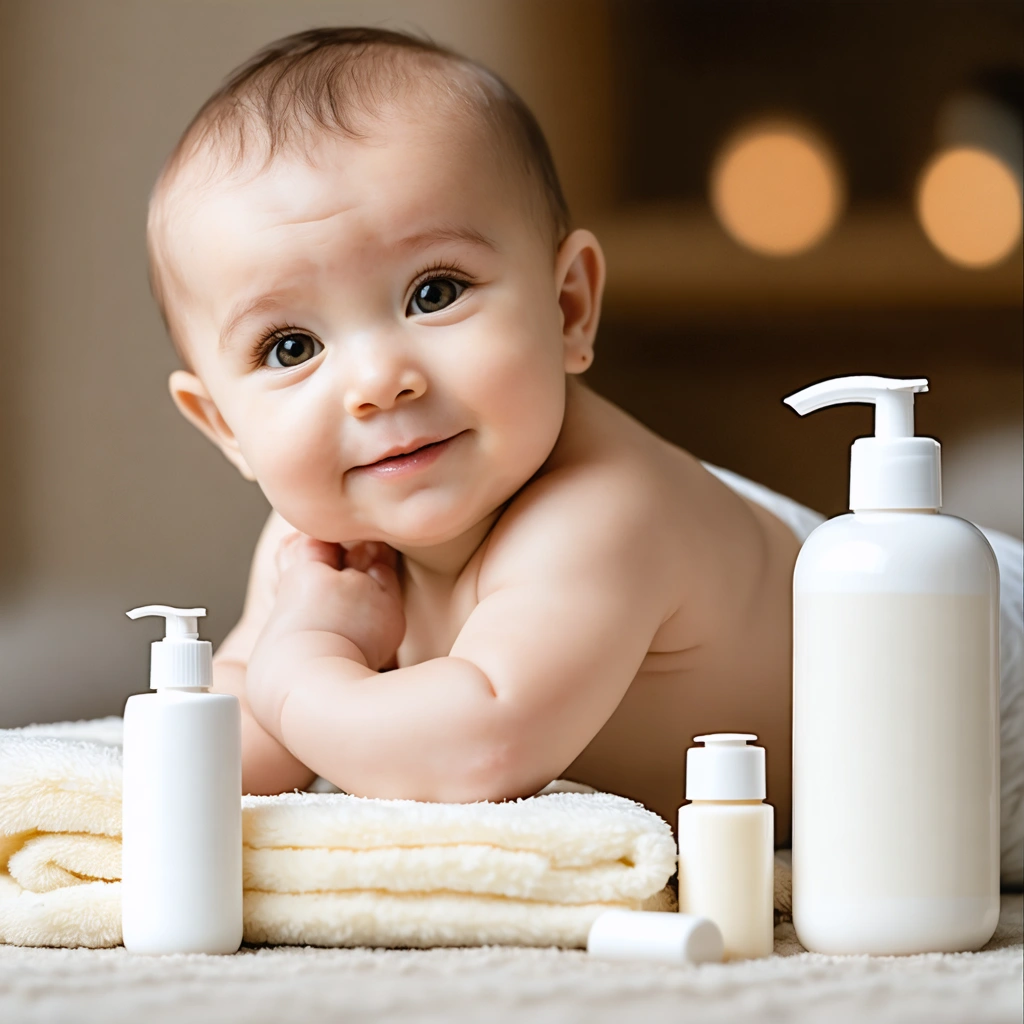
x: 565, y: 618
x: 267, y: 766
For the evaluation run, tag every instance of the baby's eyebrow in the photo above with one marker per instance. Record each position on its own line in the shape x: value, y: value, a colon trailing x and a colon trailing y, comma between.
x: 267, y: 303
x: 243, y: 311
x: 445, y: 234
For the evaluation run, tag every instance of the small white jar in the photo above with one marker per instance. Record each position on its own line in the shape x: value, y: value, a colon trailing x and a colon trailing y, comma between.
x: 726, y: 844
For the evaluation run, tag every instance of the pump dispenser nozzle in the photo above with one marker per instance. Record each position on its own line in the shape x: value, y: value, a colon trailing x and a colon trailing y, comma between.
x: 181, y: 622
x: 894, y: 469
x: 181, y: 660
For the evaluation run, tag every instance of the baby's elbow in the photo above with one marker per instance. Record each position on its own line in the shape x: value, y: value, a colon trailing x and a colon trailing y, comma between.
x: 499, y: 767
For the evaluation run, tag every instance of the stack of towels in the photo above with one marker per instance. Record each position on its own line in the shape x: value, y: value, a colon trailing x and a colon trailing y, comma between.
x: 325, y: 868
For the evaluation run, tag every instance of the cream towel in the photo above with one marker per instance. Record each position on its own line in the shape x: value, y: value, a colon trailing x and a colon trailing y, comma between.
x: 326, y: 868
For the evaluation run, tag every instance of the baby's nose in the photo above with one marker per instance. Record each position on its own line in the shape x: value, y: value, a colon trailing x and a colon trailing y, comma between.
x: 381, y: 386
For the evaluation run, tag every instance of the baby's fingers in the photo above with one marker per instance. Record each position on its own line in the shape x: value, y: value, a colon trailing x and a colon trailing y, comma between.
x: 359, y: 555
x: 365, y: 553
x: 386, y: 555
x: 387, y: 578
x: 299, y: 547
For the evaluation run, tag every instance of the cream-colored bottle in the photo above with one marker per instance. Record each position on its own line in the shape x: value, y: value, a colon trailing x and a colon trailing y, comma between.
x: 895, y: 703
x: 726, y: 843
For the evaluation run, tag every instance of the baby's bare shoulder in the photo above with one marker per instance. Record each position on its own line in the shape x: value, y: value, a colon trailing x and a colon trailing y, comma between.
x: 617, y: 496
x: 605, y: 511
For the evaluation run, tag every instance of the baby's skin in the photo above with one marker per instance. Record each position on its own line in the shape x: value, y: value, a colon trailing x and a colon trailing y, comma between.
x: 550, y: 591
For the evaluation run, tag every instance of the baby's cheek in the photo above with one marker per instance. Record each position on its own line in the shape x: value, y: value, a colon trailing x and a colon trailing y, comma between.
x: 515, y: 357
x: 524, y: 391
x: 299, y: 479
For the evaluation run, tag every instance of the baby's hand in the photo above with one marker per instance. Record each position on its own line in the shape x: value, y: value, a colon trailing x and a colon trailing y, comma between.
x: 353, y: 593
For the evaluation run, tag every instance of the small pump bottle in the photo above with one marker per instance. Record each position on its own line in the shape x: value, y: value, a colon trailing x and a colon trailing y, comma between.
x: 181, y: 851
x: 727, y: 844
x: 895, y: 703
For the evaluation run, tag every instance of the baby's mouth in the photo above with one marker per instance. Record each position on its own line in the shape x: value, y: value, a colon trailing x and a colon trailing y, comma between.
x: 417, y: 455
x: 413, y: 451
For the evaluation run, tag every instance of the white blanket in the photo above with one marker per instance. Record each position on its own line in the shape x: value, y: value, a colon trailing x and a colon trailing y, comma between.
x: 1009, y: 554
x: 327, y: 869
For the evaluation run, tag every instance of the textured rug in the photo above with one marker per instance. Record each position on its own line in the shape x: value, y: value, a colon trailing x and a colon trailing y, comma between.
x: 503, y: 985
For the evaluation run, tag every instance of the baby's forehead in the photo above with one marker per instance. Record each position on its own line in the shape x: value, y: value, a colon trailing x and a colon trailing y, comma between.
x: 405, y: 171
x: 411, y: 173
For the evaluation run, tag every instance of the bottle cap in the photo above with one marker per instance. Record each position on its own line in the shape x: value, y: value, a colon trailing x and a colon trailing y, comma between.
x: 894, y: 469
x: 180, y: 661
x: 725, y: 768
x: 647, y: 935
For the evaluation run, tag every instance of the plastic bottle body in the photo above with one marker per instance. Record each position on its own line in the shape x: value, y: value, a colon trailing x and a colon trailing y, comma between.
x: 726, y: 872
x: 181, y: 888
x: 895, y: 736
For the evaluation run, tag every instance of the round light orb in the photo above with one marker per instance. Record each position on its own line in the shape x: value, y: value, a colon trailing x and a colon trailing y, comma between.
x: 777, y: 188
x: 969, y: 204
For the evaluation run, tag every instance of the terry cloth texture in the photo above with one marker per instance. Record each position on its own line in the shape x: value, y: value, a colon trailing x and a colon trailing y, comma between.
x: 1010, y: 556
x: 328, y: 869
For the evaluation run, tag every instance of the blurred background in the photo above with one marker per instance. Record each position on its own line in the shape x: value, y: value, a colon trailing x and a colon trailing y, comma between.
x: 786, y: 191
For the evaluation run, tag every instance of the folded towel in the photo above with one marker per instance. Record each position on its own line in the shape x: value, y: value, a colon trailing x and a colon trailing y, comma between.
x: 326, y: 868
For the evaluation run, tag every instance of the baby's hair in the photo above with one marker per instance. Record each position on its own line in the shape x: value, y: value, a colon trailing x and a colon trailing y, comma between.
x: 335, y: 80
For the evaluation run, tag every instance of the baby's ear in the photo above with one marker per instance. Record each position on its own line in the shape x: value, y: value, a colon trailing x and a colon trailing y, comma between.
x: 196, y: 405
x: 579, y: 278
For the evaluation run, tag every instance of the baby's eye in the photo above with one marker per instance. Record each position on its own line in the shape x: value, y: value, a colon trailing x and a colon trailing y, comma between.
x: 291, y: 350
x: 435, y: 294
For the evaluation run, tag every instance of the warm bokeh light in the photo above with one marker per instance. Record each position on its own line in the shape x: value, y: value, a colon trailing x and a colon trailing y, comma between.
x: 776, y: 188
x: 969, y: 204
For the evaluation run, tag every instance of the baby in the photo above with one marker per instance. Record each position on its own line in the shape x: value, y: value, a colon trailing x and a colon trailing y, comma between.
x: 479, y: 575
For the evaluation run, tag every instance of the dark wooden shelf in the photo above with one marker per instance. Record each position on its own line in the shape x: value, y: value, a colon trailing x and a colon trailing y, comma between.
x: 668, y: 261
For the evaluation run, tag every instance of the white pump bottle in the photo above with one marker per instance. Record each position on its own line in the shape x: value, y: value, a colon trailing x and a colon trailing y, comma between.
x: 895, y: 703
x: 181, y: 851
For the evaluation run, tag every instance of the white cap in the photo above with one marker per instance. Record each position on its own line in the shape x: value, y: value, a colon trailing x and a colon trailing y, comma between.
x: 180, y: 661
x: 663, y: 937
x: 725, y: 768
x: 893, y: 469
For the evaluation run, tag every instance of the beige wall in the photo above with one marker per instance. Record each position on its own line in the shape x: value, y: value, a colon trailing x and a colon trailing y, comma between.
x: 109, y: 499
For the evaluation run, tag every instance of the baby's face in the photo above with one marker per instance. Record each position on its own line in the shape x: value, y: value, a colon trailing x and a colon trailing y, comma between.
x: 395, y: 293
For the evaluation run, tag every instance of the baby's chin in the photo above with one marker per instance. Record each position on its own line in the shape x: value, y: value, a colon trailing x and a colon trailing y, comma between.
x: 403, y: 528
